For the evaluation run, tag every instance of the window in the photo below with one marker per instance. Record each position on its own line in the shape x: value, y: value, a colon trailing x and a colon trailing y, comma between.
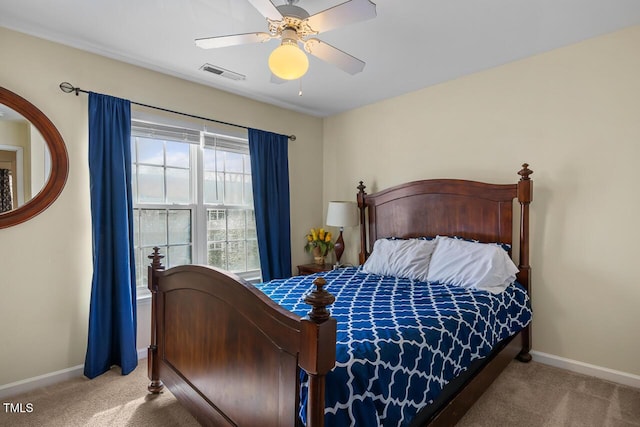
x: 193, y: 199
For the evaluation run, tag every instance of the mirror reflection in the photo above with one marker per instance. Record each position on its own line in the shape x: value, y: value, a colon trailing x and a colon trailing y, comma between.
x: 25, y: 161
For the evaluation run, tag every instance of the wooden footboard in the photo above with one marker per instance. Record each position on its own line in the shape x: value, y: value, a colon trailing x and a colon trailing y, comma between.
x: 230, y: 354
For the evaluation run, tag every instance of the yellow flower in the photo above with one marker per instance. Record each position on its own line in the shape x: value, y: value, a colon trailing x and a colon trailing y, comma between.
x: 319, y: 238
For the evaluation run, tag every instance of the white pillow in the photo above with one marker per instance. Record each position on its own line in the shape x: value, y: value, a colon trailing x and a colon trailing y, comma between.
x: 471, y: 265
x: 400, y: 258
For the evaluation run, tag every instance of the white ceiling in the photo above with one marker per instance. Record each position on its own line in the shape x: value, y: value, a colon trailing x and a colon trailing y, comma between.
x: 411, y: 44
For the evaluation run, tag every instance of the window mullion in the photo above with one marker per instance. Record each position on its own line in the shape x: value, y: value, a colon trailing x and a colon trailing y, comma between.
x: 164, y: 171
x: 226, y: 235
x: 199, y: 214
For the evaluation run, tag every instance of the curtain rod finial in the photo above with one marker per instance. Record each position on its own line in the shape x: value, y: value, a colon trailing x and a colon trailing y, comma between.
x: 67, y: 87
x: 292, y: 137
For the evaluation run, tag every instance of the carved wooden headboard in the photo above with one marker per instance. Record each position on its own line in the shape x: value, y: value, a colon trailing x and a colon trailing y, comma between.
x: 452, y: 207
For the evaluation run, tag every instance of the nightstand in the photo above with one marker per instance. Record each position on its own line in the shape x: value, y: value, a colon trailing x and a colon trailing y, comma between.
x: 305, y: 269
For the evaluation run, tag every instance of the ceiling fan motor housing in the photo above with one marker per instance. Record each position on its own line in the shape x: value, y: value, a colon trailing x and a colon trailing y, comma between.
x: 293, y: 11
x: 293, y: 18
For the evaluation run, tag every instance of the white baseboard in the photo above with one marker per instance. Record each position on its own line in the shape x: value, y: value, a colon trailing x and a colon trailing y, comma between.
x: 619, y: 377
x: 24, y: 386
x: 30, y: 384
x: 142, y: 353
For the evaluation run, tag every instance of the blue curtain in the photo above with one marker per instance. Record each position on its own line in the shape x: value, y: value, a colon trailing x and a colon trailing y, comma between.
x: 270, y: 178
x: 112, y: 316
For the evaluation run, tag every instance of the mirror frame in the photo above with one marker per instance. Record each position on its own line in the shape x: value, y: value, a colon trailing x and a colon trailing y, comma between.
x: 59, y: 160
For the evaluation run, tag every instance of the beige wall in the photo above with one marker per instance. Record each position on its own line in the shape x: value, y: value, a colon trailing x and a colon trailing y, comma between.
x: 574, y: 115
x: 45, y: 263
x: 40, y: 161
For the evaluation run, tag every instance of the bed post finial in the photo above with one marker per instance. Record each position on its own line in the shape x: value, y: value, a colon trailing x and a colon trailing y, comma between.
x: 156, y: 259
x: 525, y: 172
x: 153, y: 373
x: 363, y: 230
x: 319, y: 299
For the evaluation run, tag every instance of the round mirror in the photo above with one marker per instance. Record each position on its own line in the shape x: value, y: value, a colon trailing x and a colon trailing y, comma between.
x: 33, y: 160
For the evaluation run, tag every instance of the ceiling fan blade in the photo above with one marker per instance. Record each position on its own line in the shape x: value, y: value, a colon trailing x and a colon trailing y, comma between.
x: 341, y: 15
x: 267, y: 9
x: 334, y: 56
x: 233, y: 40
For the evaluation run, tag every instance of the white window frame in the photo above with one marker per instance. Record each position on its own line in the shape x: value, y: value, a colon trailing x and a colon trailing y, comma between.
x: 199, y: 245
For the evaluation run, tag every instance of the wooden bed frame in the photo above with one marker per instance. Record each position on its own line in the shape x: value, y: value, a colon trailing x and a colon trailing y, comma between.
x: 232, y: 356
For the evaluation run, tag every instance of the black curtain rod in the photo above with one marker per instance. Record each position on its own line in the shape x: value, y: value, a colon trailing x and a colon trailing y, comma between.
x: 67, y: 87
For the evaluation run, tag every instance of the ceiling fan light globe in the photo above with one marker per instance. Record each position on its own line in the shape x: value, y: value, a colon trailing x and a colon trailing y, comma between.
x: 288, y: 62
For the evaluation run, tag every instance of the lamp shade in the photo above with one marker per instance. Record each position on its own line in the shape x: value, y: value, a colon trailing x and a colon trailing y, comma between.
x: 288, y: 62
x: 342, y: 214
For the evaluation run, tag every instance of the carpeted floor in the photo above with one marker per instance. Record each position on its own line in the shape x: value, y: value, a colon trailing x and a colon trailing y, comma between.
x: 537, y: 395
x: 525, y: 395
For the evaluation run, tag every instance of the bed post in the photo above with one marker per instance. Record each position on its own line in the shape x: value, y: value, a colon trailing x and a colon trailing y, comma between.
x: 363, y: 228
x: 156, y: 385
x: 318, y: 349
x: 525, y: 197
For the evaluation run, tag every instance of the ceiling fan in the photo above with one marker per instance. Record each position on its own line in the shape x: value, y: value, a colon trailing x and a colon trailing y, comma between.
x: 293, y: 25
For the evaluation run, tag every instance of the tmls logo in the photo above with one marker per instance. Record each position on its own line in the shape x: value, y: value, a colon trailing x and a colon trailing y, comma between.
x: 17, y: 408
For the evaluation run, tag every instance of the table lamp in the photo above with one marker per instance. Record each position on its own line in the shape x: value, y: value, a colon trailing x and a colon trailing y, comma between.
x: 341, y: 214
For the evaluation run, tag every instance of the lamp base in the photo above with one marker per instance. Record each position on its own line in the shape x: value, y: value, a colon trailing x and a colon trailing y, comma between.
x: 339, y: 247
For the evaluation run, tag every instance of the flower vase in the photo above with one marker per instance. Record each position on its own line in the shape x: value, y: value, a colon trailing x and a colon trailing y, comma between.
x: 318, y: 257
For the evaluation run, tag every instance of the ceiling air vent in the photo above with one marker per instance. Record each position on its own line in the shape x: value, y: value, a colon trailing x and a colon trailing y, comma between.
x: 214, y: 69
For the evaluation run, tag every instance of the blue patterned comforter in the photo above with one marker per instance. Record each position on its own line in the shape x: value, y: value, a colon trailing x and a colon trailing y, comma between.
x: 399, y: 342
